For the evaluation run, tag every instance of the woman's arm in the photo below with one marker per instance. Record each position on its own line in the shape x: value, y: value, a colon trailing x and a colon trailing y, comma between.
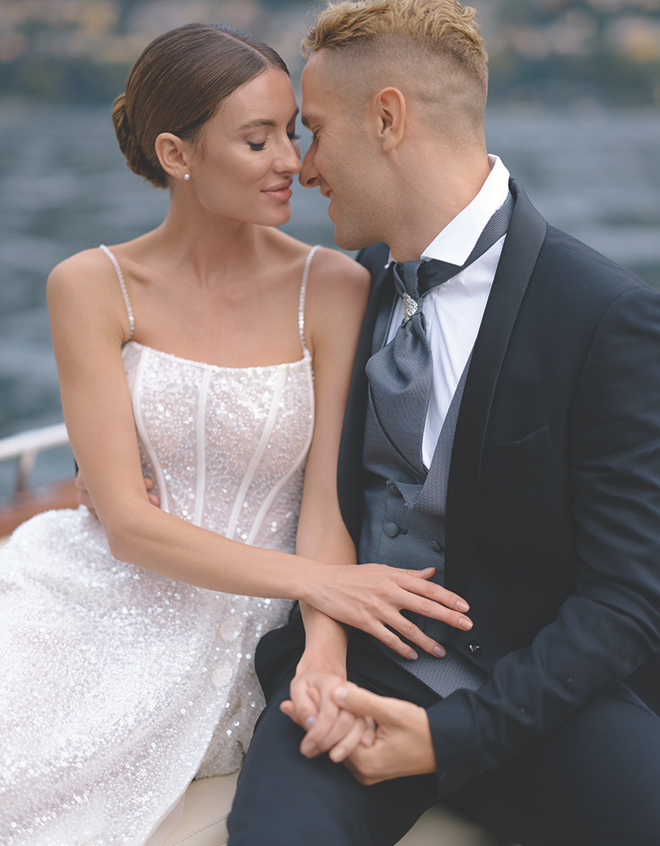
x: 336, y: 300
x: 337, y: 297
x: 371, y: 596
x: 89, y: 326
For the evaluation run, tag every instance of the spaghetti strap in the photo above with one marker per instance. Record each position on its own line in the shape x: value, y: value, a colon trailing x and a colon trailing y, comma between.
x: 301, y: 301
x: 120, y: 276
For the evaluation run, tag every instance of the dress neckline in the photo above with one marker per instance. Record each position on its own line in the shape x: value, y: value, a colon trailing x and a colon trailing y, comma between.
x: 301, y: 318
x: 306, y: 357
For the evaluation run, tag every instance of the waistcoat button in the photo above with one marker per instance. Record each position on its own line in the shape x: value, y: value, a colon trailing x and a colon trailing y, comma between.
x: 391, y: 530
x: 474, y: 648
x: 392, y: 488
x: 435, y: 546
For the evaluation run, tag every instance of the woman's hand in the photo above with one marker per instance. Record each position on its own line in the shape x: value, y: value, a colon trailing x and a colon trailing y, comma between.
x: 329, y: 728
x: 371, y: 597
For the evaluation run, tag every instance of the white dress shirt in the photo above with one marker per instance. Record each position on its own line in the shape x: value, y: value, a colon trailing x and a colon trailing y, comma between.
x: 453, y: 311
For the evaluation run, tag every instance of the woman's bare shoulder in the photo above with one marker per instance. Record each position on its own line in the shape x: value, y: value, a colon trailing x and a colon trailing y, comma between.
x: 337, y: 279
x: 81, y: 269
x: 85, y: 286
x: 326, y: 260
x: 333, y: 263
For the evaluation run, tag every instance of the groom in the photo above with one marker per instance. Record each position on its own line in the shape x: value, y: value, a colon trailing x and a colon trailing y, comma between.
x: 503, y: 426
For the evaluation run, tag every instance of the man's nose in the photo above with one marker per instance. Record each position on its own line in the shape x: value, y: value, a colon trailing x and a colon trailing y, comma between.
x: 308, y: 175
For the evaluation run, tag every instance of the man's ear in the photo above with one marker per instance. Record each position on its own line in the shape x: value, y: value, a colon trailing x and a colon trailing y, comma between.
x: 389, y: 112
x: 173, y: 154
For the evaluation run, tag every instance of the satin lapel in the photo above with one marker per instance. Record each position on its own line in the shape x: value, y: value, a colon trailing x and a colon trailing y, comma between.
x: 523, y: 243
x: 350, y: 472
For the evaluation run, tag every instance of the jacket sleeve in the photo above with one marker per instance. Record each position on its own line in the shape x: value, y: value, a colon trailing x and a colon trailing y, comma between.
x: 610, y: 625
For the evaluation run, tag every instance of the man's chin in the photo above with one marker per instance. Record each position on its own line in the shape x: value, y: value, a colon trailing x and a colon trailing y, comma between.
x: 351, y: 240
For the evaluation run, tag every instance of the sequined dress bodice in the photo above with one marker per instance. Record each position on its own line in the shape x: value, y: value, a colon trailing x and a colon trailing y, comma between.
x: 120, y: 685
x: 226, y: 447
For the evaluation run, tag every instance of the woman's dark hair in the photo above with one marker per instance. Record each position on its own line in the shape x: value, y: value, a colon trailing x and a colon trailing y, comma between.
x: 177, y: 84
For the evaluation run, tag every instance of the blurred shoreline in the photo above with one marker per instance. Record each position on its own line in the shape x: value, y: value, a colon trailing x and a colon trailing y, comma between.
x: 549, y: 51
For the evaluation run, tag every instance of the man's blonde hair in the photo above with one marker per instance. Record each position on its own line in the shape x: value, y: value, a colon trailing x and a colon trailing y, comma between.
x: 443, y: 27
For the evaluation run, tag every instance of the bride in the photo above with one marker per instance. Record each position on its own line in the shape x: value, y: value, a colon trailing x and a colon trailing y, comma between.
x: 212, y: 355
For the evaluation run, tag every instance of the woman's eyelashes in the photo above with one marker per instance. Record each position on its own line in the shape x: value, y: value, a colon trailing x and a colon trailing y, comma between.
x: 257, y: 146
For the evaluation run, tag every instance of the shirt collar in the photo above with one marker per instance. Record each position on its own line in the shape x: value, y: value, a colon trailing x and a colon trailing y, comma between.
x: 457, y: 240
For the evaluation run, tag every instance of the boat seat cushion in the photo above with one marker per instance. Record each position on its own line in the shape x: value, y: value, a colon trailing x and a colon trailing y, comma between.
x: 208, y: 800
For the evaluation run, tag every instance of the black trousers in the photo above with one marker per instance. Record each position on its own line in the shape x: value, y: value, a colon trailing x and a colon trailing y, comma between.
x: 594, y: 782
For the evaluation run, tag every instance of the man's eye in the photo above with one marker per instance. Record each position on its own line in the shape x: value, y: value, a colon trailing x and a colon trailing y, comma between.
x: 257, y: 147
x: 293, y: 136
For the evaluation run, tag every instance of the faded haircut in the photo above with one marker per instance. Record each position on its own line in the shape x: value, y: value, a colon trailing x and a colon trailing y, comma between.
x: 443, y: 28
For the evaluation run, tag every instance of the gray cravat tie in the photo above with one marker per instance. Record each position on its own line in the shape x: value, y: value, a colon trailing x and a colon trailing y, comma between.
x: 401, y: 373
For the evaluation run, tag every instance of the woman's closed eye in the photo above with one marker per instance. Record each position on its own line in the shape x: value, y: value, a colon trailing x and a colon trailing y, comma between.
x: 257, y: 146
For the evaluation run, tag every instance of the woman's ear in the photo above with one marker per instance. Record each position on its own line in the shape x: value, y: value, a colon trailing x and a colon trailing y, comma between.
x: 389, y: 108
x: 173, y: 154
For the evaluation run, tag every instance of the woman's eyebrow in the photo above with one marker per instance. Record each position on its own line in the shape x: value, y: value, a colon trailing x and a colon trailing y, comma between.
x: 266, y: 121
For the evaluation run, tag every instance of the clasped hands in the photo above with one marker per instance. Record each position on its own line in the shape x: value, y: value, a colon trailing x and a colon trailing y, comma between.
x: 376, y: 738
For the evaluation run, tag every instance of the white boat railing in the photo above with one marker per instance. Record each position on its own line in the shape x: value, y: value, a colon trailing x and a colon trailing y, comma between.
x: 26, y: 447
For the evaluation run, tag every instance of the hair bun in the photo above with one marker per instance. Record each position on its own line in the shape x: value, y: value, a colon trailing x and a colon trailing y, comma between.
x: 130, y: 146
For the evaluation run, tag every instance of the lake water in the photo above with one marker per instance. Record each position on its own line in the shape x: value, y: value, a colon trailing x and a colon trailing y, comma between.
x: 64, y: 187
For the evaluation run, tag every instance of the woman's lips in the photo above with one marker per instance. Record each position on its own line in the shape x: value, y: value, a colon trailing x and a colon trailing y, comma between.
x: 279, y: 192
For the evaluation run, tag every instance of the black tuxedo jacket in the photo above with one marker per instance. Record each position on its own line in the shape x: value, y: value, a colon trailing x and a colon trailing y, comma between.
x: 553, y: 514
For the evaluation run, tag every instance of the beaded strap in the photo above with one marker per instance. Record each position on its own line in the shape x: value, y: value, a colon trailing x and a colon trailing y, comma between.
x: 301, y: 301
x: 120, y: 276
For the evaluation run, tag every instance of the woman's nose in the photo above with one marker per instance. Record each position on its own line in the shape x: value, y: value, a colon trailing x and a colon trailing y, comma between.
x: 290, y: 157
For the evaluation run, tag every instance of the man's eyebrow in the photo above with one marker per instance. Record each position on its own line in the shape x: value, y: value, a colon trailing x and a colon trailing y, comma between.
x: 266, y: 121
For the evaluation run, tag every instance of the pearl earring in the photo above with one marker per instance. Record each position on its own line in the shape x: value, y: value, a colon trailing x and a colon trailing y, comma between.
x: 186, y: 176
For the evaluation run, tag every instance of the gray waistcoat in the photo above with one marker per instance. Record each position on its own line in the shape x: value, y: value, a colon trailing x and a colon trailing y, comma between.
x: 404, y: 526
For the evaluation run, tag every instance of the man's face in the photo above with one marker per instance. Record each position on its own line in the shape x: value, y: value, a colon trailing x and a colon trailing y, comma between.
x: 341, y: 160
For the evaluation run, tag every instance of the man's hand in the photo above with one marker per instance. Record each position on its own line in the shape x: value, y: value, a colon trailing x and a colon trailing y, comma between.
x: 403, y: 744
x: 329, y: 728
x: 83, y: 497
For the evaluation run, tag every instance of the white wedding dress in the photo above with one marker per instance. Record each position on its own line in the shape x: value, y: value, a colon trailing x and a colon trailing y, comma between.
x: 118, y: 685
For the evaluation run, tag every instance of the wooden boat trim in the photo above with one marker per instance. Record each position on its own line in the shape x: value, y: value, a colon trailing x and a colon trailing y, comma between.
x: 25, y: 502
